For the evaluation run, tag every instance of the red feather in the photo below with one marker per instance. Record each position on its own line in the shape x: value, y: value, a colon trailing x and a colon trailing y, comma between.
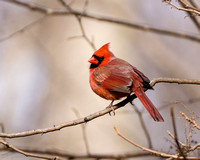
x: 113, y: 78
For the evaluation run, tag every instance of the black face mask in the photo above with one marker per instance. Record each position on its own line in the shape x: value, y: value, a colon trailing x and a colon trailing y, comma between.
x: 99, y: 59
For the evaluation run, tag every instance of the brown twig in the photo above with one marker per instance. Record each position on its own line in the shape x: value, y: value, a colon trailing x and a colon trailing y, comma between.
x: 147, y: 135
x: 79, y: 19
x: 83, y: 127
x: 49, y: 11
x: 71, y: 155
x: 154, y: 152
x: 173, y: 137
x: 190, y: 121
x: 97, y: 114
x: 192, y: 17
x: 174, y: 80
x: 26, y: 153
x: 187, y: 8
x: 179, y: 148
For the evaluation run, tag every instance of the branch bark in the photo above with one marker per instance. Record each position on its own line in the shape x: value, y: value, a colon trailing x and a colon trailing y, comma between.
x: 97, y: 114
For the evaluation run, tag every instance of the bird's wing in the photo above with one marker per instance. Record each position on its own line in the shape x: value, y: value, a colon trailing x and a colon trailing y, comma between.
x: 113, y: 78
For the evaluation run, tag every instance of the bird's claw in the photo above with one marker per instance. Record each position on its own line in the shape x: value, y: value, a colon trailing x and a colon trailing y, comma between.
x: 112, y: 107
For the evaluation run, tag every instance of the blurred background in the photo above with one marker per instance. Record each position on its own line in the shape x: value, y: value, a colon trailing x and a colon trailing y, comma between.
x: 44, y: 74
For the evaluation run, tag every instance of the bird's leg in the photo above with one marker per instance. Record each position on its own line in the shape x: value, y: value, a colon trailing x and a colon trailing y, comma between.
x: 130, y: 101
x: 111, y: 106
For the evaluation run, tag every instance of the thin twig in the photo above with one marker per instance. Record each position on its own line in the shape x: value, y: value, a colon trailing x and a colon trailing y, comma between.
x: 187, y: 7
x: 49, y: 11
x: 2, y: 127
x: 191, y: 15
x: 154, y: 152
x: 190, y: 120
x: 79, y: 19
x: 179, y: 148
x: 147, y: 135
x: 71, y: 155
x: 83, y: 127
x: 173, y: 137
x: 23, y: 29
x: 26, y: 153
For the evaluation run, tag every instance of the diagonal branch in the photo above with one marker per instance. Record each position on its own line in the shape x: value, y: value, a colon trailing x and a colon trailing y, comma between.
x: 97, y: 114
x: 154, y: 152
x: 26, y: 153
x: 192, y: 17
x: 78, y: 17
x: 186, y: 8
x: 190, y: 120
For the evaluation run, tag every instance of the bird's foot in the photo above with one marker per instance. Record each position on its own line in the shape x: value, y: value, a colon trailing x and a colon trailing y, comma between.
x: 112, y: 107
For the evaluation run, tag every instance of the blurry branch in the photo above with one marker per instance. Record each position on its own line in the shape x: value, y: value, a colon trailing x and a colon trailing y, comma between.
x: 97, y: 114
x: 190, y: 121
x: 154, y: 152
x: 2, y: 127
x: 143, y: 125
x: 179, y: 148
x: 79, y: 18
x: 182, y: 149
x: 186, y: 7
x: 26, y: 153
x: 83, y: 127
x: 70, y: 155
x: 49, y: 11
x: 22, y: 29
x: 191, y: 15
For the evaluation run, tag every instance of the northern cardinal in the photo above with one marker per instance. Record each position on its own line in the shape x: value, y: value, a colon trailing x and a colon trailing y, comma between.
x: 113, y: 78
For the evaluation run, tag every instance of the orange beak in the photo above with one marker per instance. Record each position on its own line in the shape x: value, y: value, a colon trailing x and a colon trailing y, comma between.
x: 93, y: 60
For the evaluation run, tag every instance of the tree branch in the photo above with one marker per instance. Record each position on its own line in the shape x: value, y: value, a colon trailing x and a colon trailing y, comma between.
x: 97, y: 114
x: 179, y: 148
x: 49, y: 11
x: 154, y: 152
x: 71, y: 155
x: 26, y: 153
x: 187, y: 8
x: 190, y: 120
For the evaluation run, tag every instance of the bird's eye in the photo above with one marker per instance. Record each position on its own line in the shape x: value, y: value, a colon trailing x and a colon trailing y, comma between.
x: 101, y: 58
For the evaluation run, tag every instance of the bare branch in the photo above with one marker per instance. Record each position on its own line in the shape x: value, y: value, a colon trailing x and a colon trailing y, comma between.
x: 83, y: 127
x: 78, y: 17
x: 147, y: 135
x: 26, y: 153
x: 187, y: 8
x: 154, y: 152
x: 179, y: 148
x: 191, y: 15
x: 174, y: 80
x: 22, y: 29
x: 71, y: 155
x: 49, y: 11
x: 171, y: 135
x: 97, y: 114
x: 190, y: 120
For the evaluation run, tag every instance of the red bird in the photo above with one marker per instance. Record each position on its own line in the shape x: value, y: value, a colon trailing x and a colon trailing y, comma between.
x: 113, y: 78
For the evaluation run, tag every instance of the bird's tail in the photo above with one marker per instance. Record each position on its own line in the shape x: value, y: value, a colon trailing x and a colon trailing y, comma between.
x: 148, y: 104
